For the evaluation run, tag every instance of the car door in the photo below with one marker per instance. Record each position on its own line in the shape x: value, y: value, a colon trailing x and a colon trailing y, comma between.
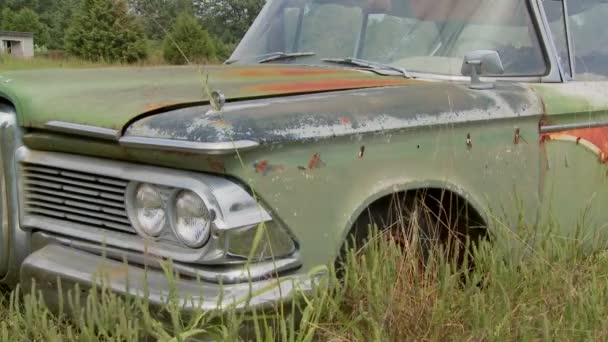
x: 574, y: 130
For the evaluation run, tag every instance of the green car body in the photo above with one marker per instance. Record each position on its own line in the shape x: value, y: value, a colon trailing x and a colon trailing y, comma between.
x: 314, y: 145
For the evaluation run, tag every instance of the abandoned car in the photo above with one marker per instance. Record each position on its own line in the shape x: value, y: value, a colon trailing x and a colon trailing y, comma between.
x: 326, y: 109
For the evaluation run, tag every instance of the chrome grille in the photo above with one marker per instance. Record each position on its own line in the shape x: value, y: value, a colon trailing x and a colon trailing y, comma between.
x: 75, y: 197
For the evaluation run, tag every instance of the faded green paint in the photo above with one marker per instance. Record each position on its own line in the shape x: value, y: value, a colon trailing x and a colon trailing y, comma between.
x: 574, y: 184
x: 421, y: 144
x: 310, y: 171
x: 112, y: 97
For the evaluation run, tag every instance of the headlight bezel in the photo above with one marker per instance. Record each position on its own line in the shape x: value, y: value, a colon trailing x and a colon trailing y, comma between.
x: 216, y: 246
x: 173, y: 219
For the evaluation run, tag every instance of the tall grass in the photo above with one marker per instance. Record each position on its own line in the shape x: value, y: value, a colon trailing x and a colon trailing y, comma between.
x: 12, y: 63
x: 385, y: 293
x: 8, y: 63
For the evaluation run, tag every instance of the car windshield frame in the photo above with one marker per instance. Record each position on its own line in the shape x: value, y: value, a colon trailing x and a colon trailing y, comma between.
x: 534, y: 22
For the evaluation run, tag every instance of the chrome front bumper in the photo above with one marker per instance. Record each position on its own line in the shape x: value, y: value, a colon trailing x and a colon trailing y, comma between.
x: 55, y: 262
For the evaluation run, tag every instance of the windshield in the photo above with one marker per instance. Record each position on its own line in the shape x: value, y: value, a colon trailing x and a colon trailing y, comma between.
x: 429, y: 36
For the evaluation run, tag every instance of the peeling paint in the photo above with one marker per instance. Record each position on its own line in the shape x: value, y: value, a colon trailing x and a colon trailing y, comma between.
x: 350, y: 113
x: 264, y: 167
x: 155, y: 106
x: 595, y: 139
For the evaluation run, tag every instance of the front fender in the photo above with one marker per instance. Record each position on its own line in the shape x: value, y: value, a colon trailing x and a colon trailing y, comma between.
x: 14, y: 242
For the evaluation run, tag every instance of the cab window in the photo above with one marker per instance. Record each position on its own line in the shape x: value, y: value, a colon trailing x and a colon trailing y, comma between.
x: 587, y: 21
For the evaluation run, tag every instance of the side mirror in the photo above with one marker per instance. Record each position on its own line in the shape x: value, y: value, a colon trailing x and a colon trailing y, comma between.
x: 482, y: 63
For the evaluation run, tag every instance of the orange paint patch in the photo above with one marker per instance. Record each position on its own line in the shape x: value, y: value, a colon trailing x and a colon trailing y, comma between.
x: 264, y: 167
x: 216, y: 165
x: 263, y: 72
x: 597, y: 137
x: 218, y: 123
x: 261, y: 166
x: 339, y: 84
x: 154, y: 106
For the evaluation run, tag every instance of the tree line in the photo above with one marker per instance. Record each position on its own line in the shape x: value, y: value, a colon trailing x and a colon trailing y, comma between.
x: 129, y: 31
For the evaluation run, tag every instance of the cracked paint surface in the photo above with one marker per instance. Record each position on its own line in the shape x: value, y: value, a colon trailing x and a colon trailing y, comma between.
x: 331, y: 115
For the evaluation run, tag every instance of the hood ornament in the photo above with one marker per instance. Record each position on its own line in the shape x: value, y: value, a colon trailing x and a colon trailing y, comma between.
x: 218, y: 100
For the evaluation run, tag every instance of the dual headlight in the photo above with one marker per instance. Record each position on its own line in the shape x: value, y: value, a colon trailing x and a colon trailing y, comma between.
x: 156, y: 208
x: 177, y: 215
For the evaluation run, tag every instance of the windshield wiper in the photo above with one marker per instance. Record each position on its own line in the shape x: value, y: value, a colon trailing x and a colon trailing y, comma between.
x: 368, y: 64
x: 277, y: 56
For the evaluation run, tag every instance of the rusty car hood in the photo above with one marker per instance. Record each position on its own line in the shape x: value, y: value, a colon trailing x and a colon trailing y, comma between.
x: 348, y: 113
x: 111, y: 98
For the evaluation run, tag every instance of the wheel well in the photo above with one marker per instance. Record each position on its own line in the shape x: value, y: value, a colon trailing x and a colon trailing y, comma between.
x: 451, y: 213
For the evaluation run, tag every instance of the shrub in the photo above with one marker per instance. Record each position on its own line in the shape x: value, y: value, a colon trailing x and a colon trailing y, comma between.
x: 104, y: 30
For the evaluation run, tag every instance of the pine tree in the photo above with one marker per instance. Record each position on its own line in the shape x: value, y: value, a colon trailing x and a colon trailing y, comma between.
x: 158, y: 16
x: 25, y: 20
x: 188, y: 38
x: 228, y: 19
x: 104, y: 30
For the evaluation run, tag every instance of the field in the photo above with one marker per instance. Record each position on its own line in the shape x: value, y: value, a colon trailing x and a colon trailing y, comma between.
x: 554, y: 291
x: 554, y: 288
x: 8, y: 63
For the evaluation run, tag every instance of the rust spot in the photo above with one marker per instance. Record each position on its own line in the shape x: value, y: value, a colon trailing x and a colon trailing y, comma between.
x: 273, y: 72
x: 218, y: 123
x: 315, y: 162
x: 315, y: 85
x: 469, y: 141
x: 518, y: 137
x: 361, y: 152
x: 260, y: 167
x: 264, y: 167
x: 154, y: 106
x: 216, y: 165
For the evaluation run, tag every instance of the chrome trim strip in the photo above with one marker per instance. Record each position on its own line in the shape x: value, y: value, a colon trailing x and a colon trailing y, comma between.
x: 18, y: 239
x: 567, y: 127
x: 86, y: 130
x: 225, y: 274
x: 227, y: 147
x: 545, y: 37
x: 72, y: 266
x: 571, y: 55
x: 547, y: 34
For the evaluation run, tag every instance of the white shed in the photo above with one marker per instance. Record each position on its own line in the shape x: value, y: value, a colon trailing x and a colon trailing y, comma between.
x: 19, y: 44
